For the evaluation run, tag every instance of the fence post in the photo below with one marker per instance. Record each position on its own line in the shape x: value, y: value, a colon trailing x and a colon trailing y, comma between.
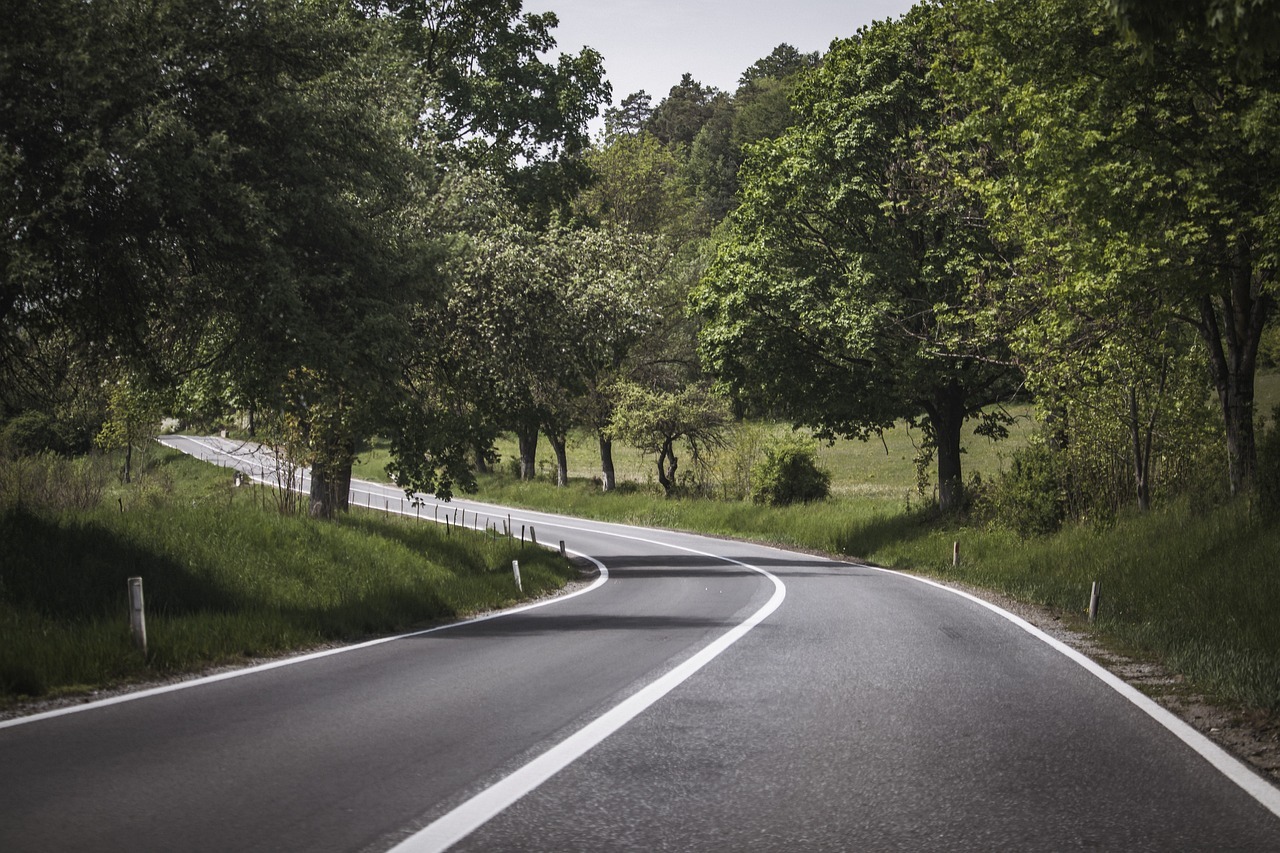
x: 137, y: 615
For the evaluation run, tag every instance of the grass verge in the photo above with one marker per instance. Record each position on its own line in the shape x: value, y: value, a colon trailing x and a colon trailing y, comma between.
x: 225, y: 579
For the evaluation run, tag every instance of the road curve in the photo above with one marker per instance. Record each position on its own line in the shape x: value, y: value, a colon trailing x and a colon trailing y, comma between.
x: 732, y: 696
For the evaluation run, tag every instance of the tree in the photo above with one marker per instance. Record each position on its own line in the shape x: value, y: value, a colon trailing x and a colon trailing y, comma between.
x: 207, y: 186
x: 683, y: 112
x: 133, y: 419
x: 656, y: 422
x: 1163, y: 169
x: 630, y: 116
x: 490, y: 93
x: 829, y: 300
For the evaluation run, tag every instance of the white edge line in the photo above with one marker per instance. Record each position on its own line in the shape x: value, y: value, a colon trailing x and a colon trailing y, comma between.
x: 1224, y: 762
x: 251, y: 670
x: 484, y: 806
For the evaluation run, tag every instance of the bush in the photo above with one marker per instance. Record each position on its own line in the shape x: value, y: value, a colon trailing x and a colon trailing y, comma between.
x: 1030, y: 498
x: 30, y: 433
x: 788, y: 474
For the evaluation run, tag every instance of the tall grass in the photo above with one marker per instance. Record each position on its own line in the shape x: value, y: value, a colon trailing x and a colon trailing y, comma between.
x: 224, y: 580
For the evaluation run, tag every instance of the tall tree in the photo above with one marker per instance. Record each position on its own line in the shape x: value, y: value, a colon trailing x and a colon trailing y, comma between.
x: 196, y: 185
x: 1163, y: 168
x: 827, y: 300
x: 489, y: 90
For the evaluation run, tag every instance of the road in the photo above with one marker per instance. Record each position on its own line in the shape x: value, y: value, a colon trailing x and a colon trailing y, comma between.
x: 706, y: 694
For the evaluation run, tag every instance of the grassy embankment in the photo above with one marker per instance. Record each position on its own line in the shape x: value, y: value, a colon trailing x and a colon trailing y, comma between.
x: 1198, y: 589
x: 226, y: 577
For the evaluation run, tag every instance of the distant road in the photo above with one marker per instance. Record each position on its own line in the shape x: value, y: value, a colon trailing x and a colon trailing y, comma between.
x: 708, y: 695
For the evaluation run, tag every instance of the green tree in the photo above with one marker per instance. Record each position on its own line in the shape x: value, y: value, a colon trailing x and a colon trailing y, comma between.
x: 208, y: 186
x: 1151, y: 180
x: 630, y: 117
x: 133, y: 420
x: 683, y: 112
x: 490, y: 92
x: 658, y: 422
x: 830, y: 301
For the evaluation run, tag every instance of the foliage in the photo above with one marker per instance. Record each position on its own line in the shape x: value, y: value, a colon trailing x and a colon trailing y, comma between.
x: 133, y: 419
x: 788, y: 474
x: 1148, y: 186
x: 491, y: 90
x: 657, y: 421
x: 29, y: 433
x: 1030, y: 498
x: 830, y: 297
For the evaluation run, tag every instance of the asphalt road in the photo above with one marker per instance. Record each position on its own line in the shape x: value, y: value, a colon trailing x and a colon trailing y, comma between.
x: 707, y: 695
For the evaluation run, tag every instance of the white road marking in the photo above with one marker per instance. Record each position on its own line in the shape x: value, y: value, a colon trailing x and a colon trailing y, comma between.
x: 1224, y: 762
x: 484, y: 806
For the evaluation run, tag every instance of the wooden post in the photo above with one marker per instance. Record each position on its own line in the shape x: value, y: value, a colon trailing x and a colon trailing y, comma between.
x: 1095, y: 598
x: 137, y: 615
x: 522, y: 534
x: 515, y: 570
x: 955, y: 554
x: 533, y: 536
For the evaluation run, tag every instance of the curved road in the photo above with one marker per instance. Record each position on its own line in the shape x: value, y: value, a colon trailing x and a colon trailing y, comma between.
x: 704, y: 695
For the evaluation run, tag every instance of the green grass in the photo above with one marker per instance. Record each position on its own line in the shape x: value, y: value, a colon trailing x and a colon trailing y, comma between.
x: 881, y: 469
x: 225, y: 579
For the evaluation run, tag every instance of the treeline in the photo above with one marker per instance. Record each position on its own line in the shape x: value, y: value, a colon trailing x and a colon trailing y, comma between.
x: 344, y: 219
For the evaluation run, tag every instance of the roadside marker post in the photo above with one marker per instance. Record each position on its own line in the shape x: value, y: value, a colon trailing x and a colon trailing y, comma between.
x: 1095, y: 598
x: 137, y: 615
x: 515, y: 570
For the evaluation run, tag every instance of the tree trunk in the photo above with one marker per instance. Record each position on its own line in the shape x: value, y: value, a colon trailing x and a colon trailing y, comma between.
x: 1141, y: 455
x: 1232, y: 340
x: 558, y: 444
x: 128, y: 461
x: 667, y: 472
x: 947, y: 415
x: 528, y: 440
x: 342, y: 485
x: 608, y: 480
x: 482, y: 462
x: 331, y: 484
x: 321, y: 496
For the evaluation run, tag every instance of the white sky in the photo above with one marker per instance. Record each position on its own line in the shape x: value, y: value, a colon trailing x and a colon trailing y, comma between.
x: 648, y: 44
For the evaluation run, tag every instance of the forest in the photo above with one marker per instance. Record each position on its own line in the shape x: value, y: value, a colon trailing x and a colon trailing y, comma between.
x: 320, y: 223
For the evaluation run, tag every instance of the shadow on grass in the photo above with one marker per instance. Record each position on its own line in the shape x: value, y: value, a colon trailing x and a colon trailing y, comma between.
x: 866, y: 538
x: 74, y: 571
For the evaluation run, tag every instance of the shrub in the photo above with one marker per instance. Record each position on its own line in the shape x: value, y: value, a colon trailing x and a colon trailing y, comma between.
x: 1030, y: 498
x: 788, y: 474
x: 30, y: 433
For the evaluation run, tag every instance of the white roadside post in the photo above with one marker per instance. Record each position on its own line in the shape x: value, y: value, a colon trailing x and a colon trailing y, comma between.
x: 137, y: 615
x: 515, y: 570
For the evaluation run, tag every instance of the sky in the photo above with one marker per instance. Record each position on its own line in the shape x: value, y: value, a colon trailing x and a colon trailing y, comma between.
x: 649, y: 44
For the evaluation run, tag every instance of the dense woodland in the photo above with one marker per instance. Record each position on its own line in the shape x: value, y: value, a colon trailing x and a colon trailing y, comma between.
x: 332, y: 220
